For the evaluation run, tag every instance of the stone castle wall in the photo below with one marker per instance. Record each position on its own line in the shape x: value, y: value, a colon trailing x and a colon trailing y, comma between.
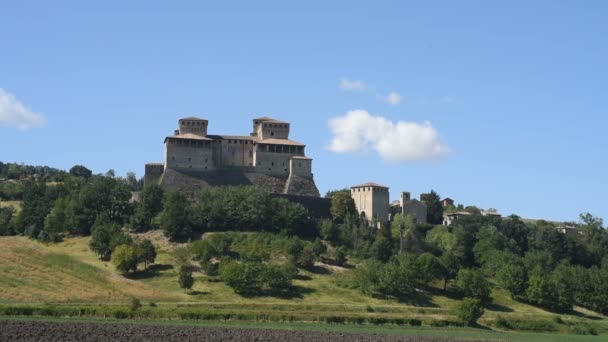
x: 266, y: 158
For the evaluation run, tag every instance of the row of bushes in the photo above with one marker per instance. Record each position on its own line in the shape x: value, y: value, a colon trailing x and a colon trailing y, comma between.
x: 190, y: 314
x: 544, y: 325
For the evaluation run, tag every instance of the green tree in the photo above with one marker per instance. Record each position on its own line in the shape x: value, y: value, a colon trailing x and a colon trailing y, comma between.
x: 513, y: 278
x: 148, y: 252
x: 541, y: 290
x: 381, y: 249
x: 150, y: 205
x: 343, y: 207
x: 318, y: 248
x: 469, y: 310
x: 400, y: 227
x: 186, y: 280
x: 451, y: 266
x: 430, y: 267
x: 441, y: 238
x: 105, y: 237
x: 291, y: 218
x: 471, y: 283
x: 434, y: 209
x: 330, y: 232
x: 54, y: 223
x: 80, y: 171
x: 398, y: 276
x: 6, y: 217
x: 125, y: 258
x: 175, y: 220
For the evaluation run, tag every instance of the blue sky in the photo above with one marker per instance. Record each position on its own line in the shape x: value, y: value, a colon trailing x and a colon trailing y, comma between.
x: 513, y: 92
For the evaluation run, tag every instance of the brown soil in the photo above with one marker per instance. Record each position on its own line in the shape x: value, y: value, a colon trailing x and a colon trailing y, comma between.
x: 88, y: 332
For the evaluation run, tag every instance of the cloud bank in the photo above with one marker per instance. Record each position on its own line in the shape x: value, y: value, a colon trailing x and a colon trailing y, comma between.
x: 15, y: 114
x: 352, y: 85
x: 400, y: 141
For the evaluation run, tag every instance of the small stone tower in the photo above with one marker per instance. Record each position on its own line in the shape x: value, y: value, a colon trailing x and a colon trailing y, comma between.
x: 372, y: 201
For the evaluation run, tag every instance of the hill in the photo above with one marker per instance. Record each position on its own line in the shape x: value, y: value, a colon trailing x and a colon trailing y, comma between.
x: 68, y: 273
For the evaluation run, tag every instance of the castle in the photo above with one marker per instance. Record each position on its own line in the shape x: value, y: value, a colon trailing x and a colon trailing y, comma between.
x: 266, y: 158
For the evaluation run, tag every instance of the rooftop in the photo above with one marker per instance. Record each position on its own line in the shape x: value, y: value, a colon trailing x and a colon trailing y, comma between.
x: 370, y: 184
x: 274, y: 141
x: 187, y: 136
x: 267, y: 119
x: 193, y: 118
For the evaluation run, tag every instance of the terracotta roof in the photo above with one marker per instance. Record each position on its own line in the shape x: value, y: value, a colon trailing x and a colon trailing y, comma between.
x: 273, y: 141
x: 267, y: 119
x: 370, y: 184
x: 193, y: 118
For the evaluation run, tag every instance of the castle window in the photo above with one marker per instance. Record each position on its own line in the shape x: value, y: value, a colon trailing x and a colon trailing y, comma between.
x: 272, y: 163
x: 272, y: 134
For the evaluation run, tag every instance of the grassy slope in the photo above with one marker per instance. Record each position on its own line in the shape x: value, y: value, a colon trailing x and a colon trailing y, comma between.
x: 32, y: 272
x: 14, y: 204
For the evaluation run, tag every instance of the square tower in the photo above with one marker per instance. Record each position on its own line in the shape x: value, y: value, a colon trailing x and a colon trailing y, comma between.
x: 193, y: 125
x: 269, y: 128
x: 372, y: 201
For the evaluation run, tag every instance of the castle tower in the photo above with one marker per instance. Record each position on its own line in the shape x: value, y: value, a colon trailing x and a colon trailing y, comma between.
x: 269, y: 128
x: 193, y: 125
x: 371, y: 200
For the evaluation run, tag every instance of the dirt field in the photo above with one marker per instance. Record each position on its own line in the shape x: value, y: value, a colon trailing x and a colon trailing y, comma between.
x: 88, y: 332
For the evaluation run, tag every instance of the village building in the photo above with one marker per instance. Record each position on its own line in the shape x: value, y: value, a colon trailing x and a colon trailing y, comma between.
x: 446, y: 202
x: 408, y: 206
x: 449, y: 218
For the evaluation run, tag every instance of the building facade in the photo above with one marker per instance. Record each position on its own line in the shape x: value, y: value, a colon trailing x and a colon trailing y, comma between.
x: 372, y: 201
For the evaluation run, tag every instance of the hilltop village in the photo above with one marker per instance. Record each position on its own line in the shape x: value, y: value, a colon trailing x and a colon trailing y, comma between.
x: 270, y: 160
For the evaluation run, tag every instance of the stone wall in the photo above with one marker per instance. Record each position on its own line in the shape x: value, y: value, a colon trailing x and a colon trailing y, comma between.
x: 189, y: 155
x: 415, y: 208
x: 192, y: 182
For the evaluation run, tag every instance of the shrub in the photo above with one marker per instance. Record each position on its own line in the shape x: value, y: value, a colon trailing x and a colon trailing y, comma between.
x: 469, y: 311
x: 185, y: 277
x: 583, y: 329
x: 256, y: 277
x: 340, y: 256
x: 135, y: 304
x: 414, y: 322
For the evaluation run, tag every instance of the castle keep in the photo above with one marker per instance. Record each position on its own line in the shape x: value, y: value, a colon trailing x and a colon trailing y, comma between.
x: 266, y: 158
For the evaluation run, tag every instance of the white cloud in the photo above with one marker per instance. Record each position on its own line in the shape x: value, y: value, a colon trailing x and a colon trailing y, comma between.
x: 358, y: 130
x: 392, y: 98
x: 352, y: 85
x: 16, y: 114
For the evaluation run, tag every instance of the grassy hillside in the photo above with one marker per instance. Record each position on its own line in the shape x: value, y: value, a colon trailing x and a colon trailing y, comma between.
x: 33, y: 272
x: 69, y: 273
x: 13, y: 204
